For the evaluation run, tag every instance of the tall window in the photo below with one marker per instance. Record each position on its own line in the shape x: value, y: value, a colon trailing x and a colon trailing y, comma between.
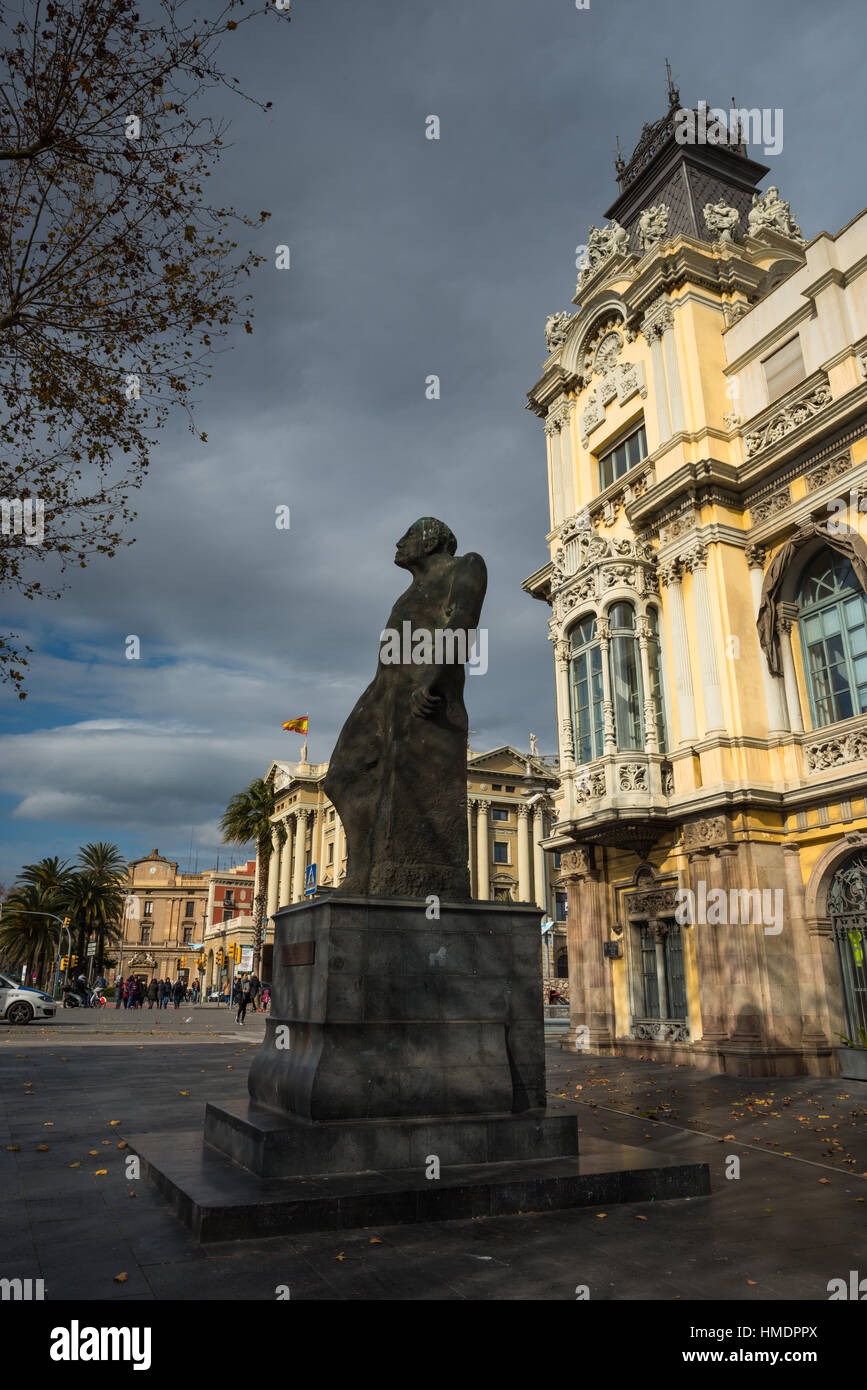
x: 654, y: 662
x: 501, y: 852
x: 499, y: 813
x: 145, y: 935
x: 622, y: 457
x: 661, y: 987
x: 625, y: 678
x: 148, y: 908
x: 189, y: 909
x: 188, y: 933
x: 833, y: 626
x: 586, y: 684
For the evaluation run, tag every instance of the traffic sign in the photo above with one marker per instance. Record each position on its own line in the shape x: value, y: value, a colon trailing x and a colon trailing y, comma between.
x: 310, y: 880
x: 91, y: 948
x: 246, y: 958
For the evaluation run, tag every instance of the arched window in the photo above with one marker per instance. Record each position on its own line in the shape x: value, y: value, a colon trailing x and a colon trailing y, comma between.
x: 833, y: 627
x: 625, y: 678
x: 585, y: 669
x: 654, y: 662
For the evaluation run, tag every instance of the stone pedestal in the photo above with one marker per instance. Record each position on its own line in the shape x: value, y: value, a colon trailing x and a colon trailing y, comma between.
x: 378, y: 1011
x: 401, y: 1078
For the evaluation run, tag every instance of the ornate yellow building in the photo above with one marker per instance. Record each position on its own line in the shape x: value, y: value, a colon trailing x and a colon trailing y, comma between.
x: 705, y: 412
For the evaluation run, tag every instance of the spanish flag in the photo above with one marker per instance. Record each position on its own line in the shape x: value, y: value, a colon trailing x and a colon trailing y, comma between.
x: 296, y: 726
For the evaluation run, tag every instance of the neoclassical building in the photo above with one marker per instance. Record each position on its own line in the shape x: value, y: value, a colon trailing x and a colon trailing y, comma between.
x: 509, y: 815
x: 705, y: 416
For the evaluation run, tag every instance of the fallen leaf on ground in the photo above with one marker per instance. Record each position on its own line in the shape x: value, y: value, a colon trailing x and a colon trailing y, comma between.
x: 100, y: 1172
x: 121, y: 1278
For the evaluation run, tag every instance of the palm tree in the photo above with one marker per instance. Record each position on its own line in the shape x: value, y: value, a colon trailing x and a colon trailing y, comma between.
x: 248, y: 818
x: 95, y: 896
x: 28, y: 936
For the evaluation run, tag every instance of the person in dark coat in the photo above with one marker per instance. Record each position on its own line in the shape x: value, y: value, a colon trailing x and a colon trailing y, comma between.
x: 178, y: 992
x: 153, y: 992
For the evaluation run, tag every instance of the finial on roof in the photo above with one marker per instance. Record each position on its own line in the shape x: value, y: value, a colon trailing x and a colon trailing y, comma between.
x: 673, y: 93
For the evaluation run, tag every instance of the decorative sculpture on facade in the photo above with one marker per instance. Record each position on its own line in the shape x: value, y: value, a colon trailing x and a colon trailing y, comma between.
x: 769, y: 210
x: 721, y: 220
x: 602, y: 244
x: 653, y: 226
x: 556, y: 328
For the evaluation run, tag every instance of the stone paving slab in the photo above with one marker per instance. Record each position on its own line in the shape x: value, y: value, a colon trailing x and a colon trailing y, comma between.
x: 776, y: 1233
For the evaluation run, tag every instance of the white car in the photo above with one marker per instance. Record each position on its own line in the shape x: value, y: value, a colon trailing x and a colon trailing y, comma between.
x: 21, y: 1003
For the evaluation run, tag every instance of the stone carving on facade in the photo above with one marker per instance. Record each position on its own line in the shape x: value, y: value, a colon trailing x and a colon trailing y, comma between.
x: 652, y: 226
x: 769, y: 210
x: 678, y: 526
x: 651, y: 903
x: 770, y: 506
x: 862, y: 362
x: 607, y: 353
x: 666, y: 773
x: 659, y: 317
x: 661, y: 1030
x: 721, y: 220
x: 577, y: 862
x: 788, y: 419
x: 590, y: 786
x: 755, y: 556
x: 831, y: 468
x: 558, y: 416
x: 695, y: 558
x: 733, y: 312
x: 706, y: 832
x: 566, y: 740
x: 669, y: 573
x: 632, y: 777
x: 731, y: 419
x: 556, y: 328
x: 836, y: 752
x: 603, y: 244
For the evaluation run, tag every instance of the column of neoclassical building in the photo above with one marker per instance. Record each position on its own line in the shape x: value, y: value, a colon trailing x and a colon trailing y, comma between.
x: 670, y: 577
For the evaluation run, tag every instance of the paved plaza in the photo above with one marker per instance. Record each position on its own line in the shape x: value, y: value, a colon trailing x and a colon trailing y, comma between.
x: 792, y: 1220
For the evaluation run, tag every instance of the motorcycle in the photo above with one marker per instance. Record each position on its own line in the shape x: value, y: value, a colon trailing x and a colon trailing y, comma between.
x: 97, y: 999
x: 72, y: 998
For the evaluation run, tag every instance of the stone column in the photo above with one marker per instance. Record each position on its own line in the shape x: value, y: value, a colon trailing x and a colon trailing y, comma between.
x: 564, y: 708
x: 654, y: 324
x: 662, y: 987
x: 748, y: 1004
x: 603, y: 633
x: 339, y: 848
x: 300, y: 854
x: 806, y: 949
x: 313, y: 820
x: 775, y: 695
x: 790, y: 680
x: 286, y: 865
x: 713, y: 988
x: 470, y: 843
x: 323, y: 816
x: 540, y: 859
x: 590, y: 988
x: 696, y: 561
x: 651, y: 743
x: 483, y: 851
x: 523, y: 856
x: 670, y: 576
x: 672, y: 372
x: 273, y: 874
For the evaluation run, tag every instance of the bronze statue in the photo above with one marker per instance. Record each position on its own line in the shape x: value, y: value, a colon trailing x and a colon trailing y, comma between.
x: 398, y: 774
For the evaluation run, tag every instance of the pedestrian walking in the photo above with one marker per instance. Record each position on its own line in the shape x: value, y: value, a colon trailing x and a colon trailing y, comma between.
x: 153, y: 992
x: 127, y: 991
x: 266, y: 995
x: 254, y: 992
x: 178, y: 992
x: 243, y: 1001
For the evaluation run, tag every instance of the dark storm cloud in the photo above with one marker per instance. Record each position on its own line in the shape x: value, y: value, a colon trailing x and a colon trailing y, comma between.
x: 409, y: 257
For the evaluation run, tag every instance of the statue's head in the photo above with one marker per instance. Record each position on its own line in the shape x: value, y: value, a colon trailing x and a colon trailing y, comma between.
x: 427, y: 536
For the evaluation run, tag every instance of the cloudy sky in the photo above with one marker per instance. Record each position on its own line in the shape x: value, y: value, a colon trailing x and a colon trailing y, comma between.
x: 409, y: 257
